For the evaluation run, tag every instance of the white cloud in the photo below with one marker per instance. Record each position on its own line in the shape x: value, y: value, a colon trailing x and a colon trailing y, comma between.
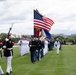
x: 62, y: 12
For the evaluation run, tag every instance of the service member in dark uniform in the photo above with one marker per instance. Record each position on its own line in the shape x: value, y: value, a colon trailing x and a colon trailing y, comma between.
x: 8, y: 53
x: 1, y: 71
x: 32, y: 45
x: 60, y: 44
x: 38, y: 48
x: 51, y: 44
x: 42, y: 47
x: 0, y: 48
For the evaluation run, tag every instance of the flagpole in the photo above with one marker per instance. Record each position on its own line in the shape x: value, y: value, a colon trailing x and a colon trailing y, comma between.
x: 39, y: 12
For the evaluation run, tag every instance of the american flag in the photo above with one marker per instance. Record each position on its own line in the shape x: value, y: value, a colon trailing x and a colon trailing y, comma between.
x: 48, y: 22
x: 42, y: 22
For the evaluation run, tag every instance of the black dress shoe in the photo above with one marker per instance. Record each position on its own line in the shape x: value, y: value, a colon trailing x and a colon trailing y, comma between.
x: 7, y: 73
x: 10, y: 71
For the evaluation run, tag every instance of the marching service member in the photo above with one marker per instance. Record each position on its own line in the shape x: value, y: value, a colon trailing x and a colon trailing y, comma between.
x: 0, y: 48
x: 24, y: 46
x: 32, y: 45
x: 8, y: 53
x: 57, y: 45
x: 1, y: 71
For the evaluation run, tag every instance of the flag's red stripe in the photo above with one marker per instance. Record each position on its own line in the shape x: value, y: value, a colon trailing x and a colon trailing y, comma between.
x: 38, y: 26
x: 48, y: 21
x: 41, y: 24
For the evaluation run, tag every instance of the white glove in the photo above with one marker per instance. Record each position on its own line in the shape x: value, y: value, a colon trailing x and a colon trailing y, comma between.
x: 4, y: 47
x: 6, y: 39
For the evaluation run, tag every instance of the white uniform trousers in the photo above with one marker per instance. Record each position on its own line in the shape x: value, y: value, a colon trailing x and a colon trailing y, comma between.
x: 8, y: 61
x: 57, y: 46
x: 57, y: 50
x: 1, y: 71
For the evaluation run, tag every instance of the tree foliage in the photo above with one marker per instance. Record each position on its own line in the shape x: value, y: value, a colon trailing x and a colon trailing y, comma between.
x: 2, y: 36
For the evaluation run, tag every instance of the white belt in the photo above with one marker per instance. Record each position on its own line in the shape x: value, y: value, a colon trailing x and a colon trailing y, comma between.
x: 9, y: 48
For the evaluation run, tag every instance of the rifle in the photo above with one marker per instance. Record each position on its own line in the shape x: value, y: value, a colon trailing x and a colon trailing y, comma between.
x: 9, y: 31
x: 7, y: 37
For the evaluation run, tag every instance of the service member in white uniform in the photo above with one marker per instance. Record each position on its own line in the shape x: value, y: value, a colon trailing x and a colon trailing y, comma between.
x: 45, y: 50
x: 24, y: 46
x: 57, y: 45
x: 26, y: 42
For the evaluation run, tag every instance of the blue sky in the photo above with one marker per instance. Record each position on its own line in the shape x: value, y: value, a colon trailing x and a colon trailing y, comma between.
x: 20, y: 13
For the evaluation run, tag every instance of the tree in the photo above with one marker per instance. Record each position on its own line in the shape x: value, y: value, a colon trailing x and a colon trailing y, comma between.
x: 3, y: 36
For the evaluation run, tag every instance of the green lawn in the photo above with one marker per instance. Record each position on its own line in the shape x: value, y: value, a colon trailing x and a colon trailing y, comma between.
x: 51, y: 64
